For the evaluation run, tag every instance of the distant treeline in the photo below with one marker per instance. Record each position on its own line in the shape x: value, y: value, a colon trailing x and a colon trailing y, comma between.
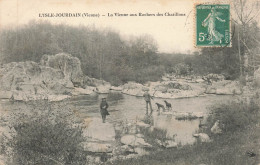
x: 104, y: 54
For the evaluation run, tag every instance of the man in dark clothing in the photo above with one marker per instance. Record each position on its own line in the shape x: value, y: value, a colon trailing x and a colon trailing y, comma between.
x: 103, y: 109
x: 147, y: 98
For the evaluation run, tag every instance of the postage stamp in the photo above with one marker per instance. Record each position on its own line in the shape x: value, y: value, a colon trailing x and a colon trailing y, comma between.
x: 212, y: 25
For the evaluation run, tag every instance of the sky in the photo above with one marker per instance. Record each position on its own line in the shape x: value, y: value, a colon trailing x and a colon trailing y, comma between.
x: 173, y: 34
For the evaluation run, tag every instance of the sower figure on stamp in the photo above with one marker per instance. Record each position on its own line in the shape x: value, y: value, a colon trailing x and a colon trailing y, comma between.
x: 147, y: 98
x: 103, y: 109
x: 210, y: 21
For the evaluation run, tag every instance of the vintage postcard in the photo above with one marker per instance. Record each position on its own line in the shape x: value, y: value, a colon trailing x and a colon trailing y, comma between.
x: 126, y: 82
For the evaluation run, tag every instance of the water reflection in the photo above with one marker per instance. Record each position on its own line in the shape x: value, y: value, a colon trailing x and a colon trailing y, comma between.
x: 180, y: 131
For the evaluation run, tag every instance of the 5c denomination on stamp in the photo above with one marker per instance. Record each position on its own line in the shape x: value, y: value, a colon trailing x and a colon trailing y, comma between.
x: 212, y: 25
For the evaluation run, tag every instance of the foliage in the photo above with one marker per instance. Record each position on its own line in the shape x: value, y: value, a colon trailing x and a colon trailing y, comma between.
x: 234, y: 116
x: 45, y: 138
x: 104, y: 54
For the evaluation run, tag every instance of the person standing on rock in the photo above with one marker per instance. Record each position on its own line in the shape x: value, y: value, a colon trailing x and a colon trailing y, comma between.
x: 147, y: 98
x: 103, y: 109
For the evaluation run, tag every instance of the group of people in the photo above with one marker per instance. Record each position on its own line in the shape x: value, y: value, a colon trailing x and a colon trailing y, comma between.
x: 147, y: 98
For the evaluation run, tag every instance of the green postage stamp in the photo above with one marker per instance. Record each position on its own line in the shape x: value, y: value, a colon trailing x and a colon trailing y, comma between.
x: 213, y: 25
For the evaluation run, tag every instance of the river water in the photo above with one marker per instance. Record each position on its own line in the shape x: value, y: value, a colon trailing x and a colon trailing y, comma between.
x: 124, y: 107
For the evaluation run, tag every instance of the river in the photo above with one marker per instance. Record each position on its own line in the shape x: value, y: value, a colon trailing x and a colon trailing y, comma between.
x: 126, y: 107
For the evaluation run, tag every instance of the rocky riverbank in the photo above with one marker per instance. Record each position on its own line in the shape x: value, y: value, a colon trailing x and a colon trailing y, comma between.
x: 59, y: 77
x: 132, y: 138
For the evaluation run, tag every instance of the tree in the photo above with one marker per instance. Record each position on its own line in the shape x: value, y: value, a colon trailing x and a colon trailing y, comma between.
x: 246, y: 11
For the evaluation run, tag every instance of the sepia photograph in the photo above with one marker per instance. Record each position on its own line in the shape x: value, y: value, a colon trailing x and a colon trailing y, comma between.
x: 126, y: 82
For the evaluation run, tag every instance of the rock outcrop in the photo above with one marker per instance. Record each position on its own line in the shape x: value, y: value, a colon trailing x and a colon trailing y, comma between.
x: 135, y: 141
x: 56, y: 77
x: 225, y: 87
x: 70, y: 67
x: 100, y: 136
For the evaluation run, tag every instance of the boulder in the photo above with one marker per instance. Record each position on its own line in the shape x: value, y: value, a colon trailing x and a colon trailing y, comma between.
x: 202, y: 137
x: 161, y: 88
x: 211, y: 90
x: 134, y: 89
x: 126, y: 148
x: 225, y: 87
x: 159, y: 142
x: 96, y: 130
x: 103, y: 89
x: 82, y: 91
x: 139, y: 135
x: 141, y: 151
x: 93, y: 160
x: 170, y: 144
x: 198, y: 114
x: 7, y: 132
x: 19, y: 96
x: 199, y: 80
x: 215, y: 128
x: 69, y: 65
x: 119, y: 88
x: 132, y: 140
x: 97, y: 147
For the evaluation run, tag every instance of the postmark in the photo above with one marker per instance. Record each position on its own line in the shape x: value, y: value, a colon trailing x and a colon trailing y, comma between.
x: 212, y: 26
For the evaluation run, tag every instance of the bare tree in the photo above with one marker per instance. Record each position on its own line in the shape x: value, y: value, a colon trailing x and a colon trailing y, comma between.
x: 246, y: 11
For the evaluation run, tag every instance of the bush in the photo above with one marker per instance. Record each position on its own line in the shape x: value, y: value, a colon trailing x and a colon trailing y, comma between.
x: 234, y: 116
x: 44, y: 138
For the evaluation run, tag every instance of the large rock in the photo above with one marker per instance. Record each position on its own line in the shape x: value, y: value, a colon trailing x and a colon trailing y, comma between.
x: 103, y: 89
x: 29, y: 78
x: 133, y: 140
x: 97, y: 147
x: 141, y: 151
x: 55, y: 75
x: 225, y: 87
x: 215, y: 128
x: 119, y: 88
x: 69, y: 65
x: 170, y: 144
x: 96, y: 130
x: 202, y: 137
x: 7, y: 132
x: 132, y: 88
